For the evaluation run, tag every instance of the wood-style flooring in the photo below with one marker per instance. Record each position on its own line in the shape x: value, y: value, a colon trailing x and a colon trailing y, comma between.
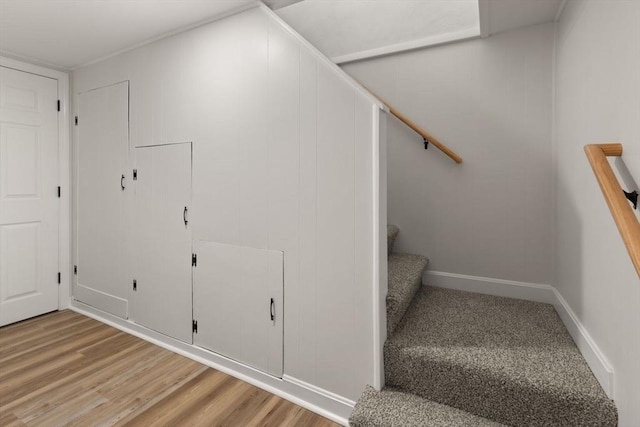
x: 67, y: 369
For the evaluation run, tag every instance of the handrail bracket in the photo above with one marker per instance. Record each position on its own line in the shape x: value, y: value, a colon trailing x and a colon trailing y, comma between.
x: 632, y: 197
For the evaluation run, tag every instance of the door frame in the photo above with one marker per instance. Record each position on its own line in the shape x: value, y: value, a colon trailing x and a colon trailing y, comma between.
x: 64, y: 172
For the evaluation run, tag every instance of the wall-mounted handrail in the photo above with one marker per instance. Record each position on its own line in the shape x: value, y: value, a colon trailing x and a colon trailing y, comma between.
x: 426, y: 136
x: 621, y: 210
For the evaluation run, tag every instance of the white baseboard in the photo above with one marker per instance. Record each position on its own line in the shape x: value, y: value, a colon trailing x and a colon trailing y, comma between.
x: 600, y: 366
x: 321, y: 391
x: 596, y: 360
x: 111, y: 304
x: 489, y: 286
x: 315, y: 399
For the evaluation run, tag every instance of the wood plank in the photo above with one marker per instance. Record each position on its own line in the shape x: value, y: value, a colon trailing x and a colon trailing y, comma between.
x: 91, y: 374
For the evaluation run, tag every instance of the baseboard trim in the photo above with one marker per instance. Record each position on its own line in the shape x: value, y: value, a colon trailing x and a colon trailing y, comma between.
x: 102, y: 301
x: 600, y: 366
x: 315, y: 399
x: 320, y: 391
x: 490, y: 286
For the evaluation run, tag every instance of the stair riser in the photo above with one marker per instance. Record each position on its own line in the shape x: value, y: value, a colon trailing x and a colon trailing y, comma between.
x: 392, y: 234
x: 405, y: 279
x: 396, y: 309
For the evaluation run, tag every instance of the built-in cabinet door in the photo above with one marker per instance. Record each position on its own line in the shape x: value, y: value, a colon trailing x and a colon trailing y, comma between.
x: 28, y: 195
x: 162, y: 297
x: 103, y: 186
x: 238, y: 304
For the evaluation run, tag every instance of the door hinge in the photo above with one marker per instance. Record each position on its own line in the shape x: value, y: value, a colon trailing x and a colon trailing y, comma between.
x: 59, y: 277
x: 75, y: 270
x: 194, y: 260
x: 76, y: 120
x: 59, y: 192
x: 194, y: 326
x: 58, y: 105
x: 135, y: 174
x: 135, y: 285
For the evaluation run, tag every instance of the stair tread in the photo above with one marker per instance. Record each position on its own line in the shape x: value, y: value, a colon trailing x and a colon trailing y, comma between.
x: 392, y: 233
x: 405, y: 278
x: 500, y: 358
x: 394, y: 408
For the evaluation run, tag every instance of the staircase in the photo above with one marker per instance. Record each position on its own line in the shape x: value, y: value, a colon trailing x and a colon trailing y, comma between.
x: 457, y: 358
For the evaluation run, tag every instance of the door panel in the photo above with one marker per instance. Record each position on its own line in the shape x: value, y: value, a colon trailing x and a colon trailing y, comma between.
x: 28, y: 195
x: 103, y: 186
x: 163, y: 297
x: 232, y: 293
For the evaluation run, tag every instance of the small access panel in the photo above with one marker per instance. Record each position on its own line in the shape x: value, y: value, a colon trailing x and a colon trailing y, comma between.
x: 238, y: 304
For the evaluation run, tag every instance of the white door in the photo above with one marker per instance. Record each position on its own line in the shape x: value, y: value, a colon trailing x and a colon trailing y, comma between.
x: 162, y: 299
x: 103, y: 186
x: 238, y: 304
x: 28, y: 195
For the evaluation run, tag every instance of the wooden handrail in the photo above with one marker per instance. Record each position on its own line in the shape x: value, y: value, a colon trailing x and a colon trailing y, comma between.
x: 417, y: 129
x: 623, y: 215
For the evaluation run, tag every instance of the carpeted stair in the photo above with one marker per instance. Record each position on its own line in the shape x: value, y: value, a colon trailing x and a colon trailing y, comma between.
x: 457, y: 358
x: 392, y: 407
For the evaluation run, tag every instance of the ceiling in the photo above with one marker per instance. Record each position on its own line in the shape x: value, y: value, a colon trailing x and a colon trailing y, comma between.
x: 347, y: 30
x: 504, y: 15
x: 69, y: 33
x: 66, y: 34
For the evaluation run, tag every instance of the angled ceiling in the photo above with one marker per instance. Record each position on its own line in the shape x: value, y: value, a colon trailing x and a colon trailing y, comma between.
x: 505, y: 15
x: 347, y: 30
x: 350, y: 30
x: 66, y: 34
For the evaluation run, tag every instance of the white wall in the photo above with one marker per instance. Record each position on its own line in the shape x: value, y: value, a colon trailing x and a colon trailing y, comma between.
x: 284, y: 152
x: 598, y: 100
x: 490, y: 101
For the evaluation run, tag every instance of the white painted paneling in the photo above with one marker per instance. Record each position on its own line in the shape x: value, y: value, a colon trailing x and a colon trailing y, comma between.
x: 238, y: 303
x: 29, y: 207
x: 103, y: 183
x: 231, y: 145
x: 162, y: 255
x: 336, y: 217
x: 365, y: 190
x: 274, y: 168
x: 283, y: 176
x: 598, y: 100
x: 303, y: 345
x: 490, y: 101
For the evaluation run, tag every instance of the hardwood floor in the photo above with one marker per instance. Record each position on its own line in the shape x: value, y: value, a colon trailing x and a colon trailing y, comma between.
x: 67, y: 369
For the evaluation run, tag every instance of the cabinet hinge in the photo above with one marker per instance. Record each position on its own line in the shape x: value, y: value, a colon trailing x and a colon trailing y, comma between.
x: 194, y: 260
x: 135, y: 174
x: 75, y: 270
x: 135, y: 285
x: 59, y: 191
x: 59, y: 277
x: 76, y: 120
x: 58, y: 105
x: 194, y: 326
